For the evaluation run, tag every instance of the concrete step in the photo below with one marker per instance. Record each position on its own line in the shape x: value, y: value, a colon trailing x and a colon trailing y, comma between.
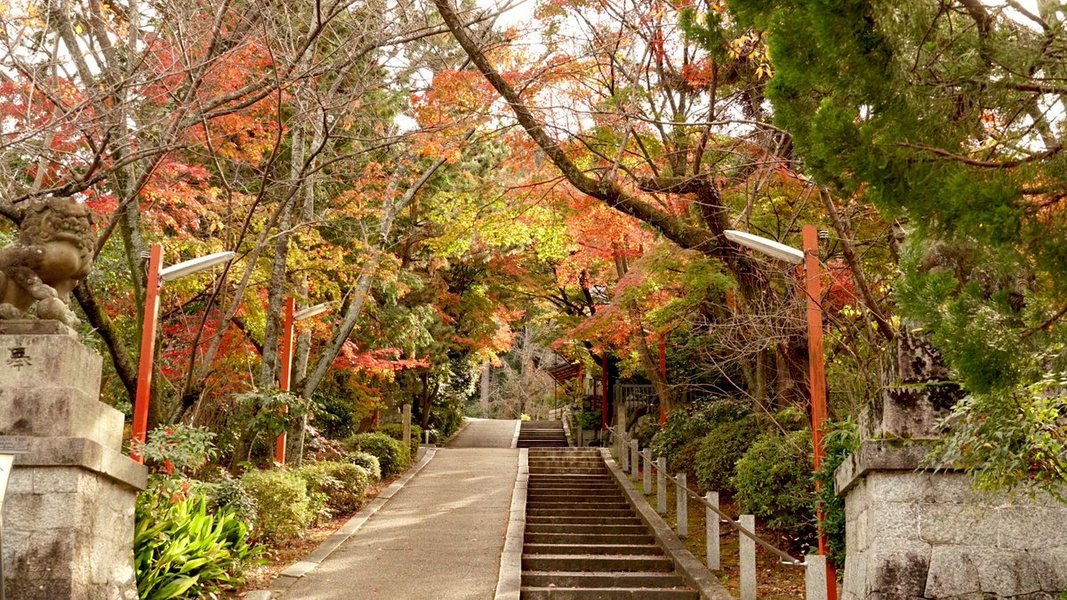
x: 597, y: 549
x: 579, y: 512
x: 587, y: 529
x: 543, y: 503
x: 596, y: 562
x: 588, y: 538
x: 582, y: 478
x: 578, y: 496
x: 562, y: 593
x: 582, y: 520
x: 584, y: 579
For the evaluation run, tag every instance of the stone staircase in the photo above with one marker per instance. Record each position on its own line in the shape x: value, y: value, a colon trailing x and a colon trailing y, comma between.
x: 542, y: 434
x: 583, y: 540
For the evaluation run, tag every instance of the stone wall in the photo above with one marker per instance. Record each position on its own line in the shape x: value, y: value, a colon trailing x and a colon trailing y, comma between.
x: 920, y: 534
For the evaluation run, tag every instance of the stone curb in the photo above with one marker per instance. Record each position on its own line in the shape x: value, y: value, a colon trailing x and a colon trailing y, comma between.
x: 515, y: 438
x: 509, y: 581
x: 310, y: 562
x: 687, y: 565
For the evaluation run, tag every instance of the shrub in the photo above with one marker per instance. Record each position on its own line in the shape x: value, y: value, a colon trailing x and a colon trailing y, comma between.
x: 225, y: 492
x: 396, y: 431
x: 369, y: 462
x: 684, y: 426
x: 392, y: 455
x: 645, y: 429
x: 343, y: 485
x: 181, y: 550
x: 791, y: 419
x: 841, y: 439
x: 283, y: 509
x: 721, y: 449
x: 684, y: 460
x: 773, y: 481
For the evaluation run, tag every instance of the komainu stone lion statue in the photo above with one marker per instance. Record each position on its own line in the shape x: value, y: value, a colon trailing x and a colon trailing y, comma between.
x: 54, y: 252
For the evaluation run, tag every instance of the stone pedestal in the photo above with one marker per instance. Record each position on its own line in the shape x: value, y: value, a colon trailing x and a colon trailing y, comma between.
x: 68, y: 514
x: 914, y: 533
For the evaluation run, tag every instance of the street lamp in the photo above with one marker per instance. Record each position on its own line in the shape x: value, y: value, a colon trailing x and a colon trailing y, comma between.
x: 809, y: 259
x: 157, y: 275
x: 285, y: 356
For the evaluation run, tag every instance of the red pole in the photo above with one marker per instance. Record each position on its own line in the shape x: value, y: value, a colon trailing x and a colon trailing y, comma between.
x: 148, y: 350
x: 604, y: 404
x: 816, y: 372
x: 285, y: 368
x: 663, y: 375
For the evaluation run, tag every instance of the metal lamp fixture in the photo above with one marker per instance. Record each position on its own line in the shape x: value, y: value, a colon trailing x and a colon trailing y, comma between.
x: 765, y: 246
x: 195, y: 265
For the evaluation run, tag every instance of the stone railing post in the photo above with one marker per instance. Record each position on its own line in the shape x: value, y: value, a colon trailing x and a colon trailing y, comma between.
x: 682, y: 505
x: 635, y: 461
x: 407, y: 425
x: 646, y: 482
x: 712, y: 519
x: 661, y: 485
x: 748, y: 558
x: 815, y: 577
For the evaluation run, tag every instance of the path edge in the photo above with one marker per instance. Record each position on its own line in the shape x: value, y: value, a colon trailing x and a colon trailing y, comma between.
x: 446, y: 441
x: 509, y: 579
x: 692, y: 569
x: 309, y: 563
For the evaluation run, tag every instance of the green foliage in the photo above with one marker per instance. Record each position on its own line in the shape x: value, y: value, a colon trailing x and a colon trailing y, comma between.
x: 773, y: 481
x: 368, y: 462
x: 392, y: 455
x: 274, y: 411
x: 685, y: 425
x: 684, y: 460
x: 283, y: 508
x: 186, y: 448
x: 589, y: 419
x: 343, y: 486
x: 721, y: 449
x: 396, y: 431
x: 1005, y: 443
x: 840, y: 440
x: 645, y: 429
x: 224, y: 492
x: 181, y: 550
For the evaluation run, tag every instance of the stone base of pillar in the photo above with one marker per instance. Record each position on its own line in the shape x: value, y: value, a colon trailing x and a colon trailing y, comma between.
x: 914, y: 533
x: 68, y: 515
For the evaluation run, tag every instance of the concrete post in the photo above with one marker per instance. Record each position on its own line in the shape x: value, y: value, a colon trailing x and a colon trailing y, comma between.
x: 407, y: 425
x: 712, y: 519
x: 682, y: 505
x: 646, y: 482
x: 69, y: 512
x: 624, y: 453
x: 661, y: 485
x: 815, y: 577
x: 426, y: 437
x: 748, y: 558
x: 635, y: 461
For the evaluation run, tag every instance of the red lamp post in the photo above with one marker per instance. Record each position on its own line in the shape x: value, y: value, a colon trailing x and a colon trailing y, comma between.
x: 808, y: 262
x: 285, y: 358
x: 157, y: 276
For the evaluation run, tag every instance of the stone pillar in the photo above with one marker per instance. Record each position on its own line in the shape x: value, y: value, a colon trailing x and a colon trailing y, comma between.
x: 69, y: 511
x: 407, y: 426
x: 916, y: 533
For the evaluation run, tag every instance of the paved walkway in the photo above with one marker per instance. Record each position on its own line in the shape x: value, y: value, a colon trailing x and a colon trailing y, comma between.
x: 440, y: 537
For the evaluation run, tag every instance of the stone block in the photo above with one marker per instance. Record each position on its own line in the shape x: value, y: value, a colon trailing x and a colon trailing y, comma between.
x: 59, y: 413
x: 951, y: 573
x: 953, y: 524
x: 50, y: 360
x: 1004, y: 573
x: 1030, y: 527
x: 893, y: 521
x: 910, y: 486
x: 897, y: 568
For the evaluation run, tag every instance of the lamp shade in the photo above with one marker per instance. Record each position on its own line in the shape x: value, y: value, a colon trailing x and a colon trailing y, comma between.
x: 311, y: 311
x: 765, y: 246
x: 195, y: 265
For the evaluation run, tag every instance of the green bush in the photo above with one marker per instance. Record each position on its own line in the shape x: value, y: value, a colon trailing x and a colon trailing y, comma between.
x: 396, y: 431
x: 393, y: 456
x: 774, y: 481
x: 181, y: 550
x: 841, y: 439
x: 283, y: 508
x: 225, y: 492
x: 343, y: 485
x: 368, y: 461
x: 683, y: 426
x: 721, y: 449
x: 645, y: 429
x: 684, y: 461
